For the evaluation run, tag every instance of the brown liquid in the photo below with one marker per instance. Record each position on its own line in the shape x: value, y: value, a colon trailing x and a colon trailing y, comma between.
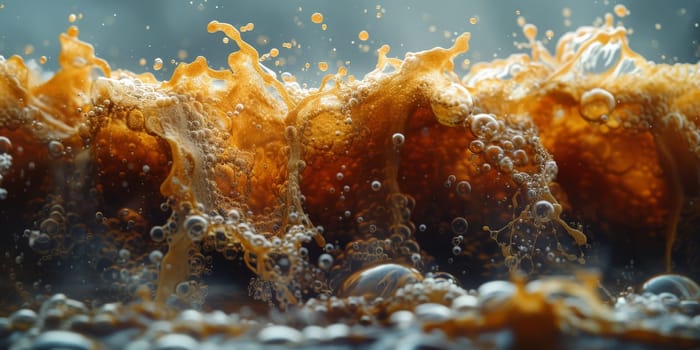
x: 412, y: 165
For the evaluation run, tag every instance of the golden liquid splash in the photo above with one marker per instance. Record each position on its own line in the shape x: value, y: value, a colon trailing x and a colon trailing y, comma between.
x: 315, y: 190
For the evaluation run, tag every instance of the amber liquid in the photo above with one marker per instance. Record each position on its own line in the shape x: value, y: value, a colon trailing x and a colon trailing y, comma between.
x: 536, y: 164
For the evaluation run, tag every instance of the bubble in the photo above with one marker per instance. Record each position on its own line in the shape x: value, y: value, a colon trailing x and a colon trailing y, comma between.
x: 433, y: 312
x: 495, y: 293
x: 183, y: 289
x: 596, y: 104
x: 464, y: 303
x: 176, y: 341
x: 279, y: 334
x: 484, y: 126
x: 459, y: 225
x: 23, y: 319
x: 363, y: 35
x: 56, y: 149
x: 530, y: 31
x: 317, y: 17
x: 477, y: 146
x: 621, y: 11
x: 61, y: 339
x: 452, y: 104
x: 456, y: 250
x: 325, y: 261
x: 157, y: 64
x: 376, y: 185
x: 49, y: 226
x: 157, y: 233
x: 196, y: 227
x: 379, y: 281
x: 5, y: 145
x: 155, y: 257
x: 506, y: 164
x: 543, y: 211
x: 234, y: 215
x: 397, y: 139
x: 463, y: 188
x: 678, y: 285
x: 402, y: 318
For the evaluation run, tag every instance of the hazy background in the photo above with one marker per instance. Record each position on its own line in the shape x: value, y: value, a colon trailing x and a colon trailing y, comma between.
x: 125, y: 32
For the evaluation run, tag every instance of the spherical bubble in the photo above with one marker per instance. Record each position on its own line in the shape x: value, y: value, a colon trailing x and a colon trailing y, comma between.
x: 176, y: 341
x: 459, y: 225
x: 597, y: 104
x: 506, y: 164
x: 234, y: 215
x: 520, y: 157
x: 543, y: 211
x: 5, y: 145
x: 398, y: 139
x: 60, y: 339
x: 379, y: 281
x: 433, y: 312
x: 157, y: 63
x: 183, y: 289
x: 22, y: 319
x: 49, y: 226
x: 463, y: 188
x: 456, y: 250
x: 451, y: 104
x: 477, y: 146
x: 196, y: 227
x: 155, y: 256
x: 56, y: 149
x: 551, y: 169
x: 157, y: 233
x: 279, y: 334
x: 464, y: 303
x: 495, y: 293
x: 376, y: 185
x: 678, y: 285
x: 484, y: 126
x: 325, y: 261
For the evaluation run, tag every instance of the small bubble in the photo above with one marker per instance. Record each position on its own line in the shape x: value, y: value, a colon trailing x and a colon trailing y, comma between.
x: 325, y: 261
x: 363, y: 35
x: 543, y: 211
x: 397, y: 139
x: 317, y: 17
x: 196, y: 226
x: 157, y: 63
x: 459, y: 225
x: 157, y: 233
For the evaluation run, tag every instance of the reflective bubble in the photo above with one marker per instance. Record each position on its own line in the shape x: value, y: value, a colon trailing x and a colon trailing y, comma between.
x: 176, y: 342
x: 196, y: 227
x: 433, y: 312
x: 279, y: 334
x: 379, y: 281
x: 543, y: 211
x: 64, y: 340
x: 494, y: 293
x: 678, y: 285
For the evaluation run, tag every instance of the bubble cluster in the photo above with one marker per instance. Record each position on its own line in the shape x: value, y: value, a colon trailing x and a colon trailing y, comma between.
x: 370, y: 201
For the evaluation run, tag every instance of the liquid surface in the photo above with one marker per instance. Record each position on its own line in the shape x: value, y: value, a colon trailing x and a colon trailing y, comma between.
x: 401, y: 199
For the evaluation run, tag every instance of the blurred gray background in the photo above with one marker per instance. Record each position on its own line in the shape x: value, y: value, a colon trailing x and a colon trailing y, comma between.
x: 125, y: 32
